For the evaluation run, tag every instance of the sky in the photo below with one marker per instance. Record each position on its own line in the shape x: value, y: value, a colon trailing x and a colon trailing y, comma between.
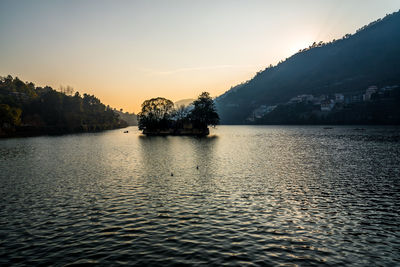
x: 125, y: 52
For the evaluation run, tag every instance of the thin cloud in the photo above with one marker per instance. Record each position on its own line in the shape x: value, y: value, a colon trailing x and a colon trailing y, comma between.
x: 189, y: 69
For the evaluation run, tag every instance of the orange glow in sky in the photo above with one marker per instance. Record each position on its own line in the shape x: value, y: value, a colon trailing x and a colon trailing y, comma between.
x: 127, y: 51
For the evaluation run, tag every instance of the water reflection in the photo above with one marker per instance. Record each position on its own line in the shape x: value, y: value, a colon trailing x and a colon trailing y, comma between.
x: 161, y: 156
x: 261, y: 195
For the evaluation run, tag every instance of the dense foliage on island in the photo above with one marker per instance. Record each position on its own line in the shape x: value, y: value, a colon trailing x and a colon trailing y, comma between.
x: 349, y: 66
x: 29, y: 110
x: 160, y: 117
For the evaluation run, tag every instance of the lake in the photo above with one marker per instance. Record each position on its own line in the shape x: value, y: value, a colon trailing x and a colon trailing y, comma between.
x: 245, y: 195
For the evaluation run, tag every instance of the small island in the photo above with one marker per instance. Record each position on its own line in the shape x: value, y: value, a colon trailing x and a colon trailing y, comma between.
x: 160, y: 117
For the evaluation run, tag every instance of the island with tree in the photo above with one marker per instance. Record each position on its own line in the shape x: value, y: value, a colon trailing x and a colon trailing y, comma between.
x: 160, y: 117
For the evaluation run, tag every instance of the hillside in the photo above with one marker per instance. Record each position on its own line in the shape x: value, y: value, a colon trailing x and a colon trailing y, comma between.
x: 27, y: 110
x: 184, y: 102
x: 371, y: 56
x: 129, y: 118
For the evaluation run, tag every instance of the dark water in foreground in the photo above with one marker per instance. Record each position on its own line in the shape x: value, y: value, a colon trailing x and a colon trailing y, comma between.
x: 261, y: 196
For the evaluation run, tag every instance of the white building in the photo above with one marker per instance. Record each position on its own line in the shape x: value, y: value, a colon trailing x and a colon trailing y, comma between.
x: 369, y: 92
x: 327, y: 105
x: 295, y: 99
x: 339, y: 98
x: 301, y: 98
x: 260, y: 111
x: 270, y: 108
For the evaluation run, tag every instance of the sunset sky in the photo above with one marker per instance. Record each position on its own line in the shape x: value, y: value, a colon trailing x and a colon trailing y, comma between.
x: 127, y: 51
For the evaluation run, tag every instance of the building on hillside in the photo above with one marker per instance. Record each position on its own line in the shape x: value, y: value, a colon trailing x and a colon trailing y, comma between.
x: 389, y: 88
x: 301, y: 99
x: 306, y: 98
x: 260, y: 111
x: 271, y: 108
x: 318, y: 100
x: 327, y: 105
x: 349, y: 99
x: 339, y: 98
x: 294, y: 100
x: 369, y: 92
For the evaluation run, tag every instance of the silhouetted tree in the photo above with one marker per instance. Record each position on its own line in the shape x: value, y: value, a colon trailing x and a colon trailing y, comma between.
x: 67, y: 90
x: 155, y: 113
x: 159, y: 114
x: 204, y: 112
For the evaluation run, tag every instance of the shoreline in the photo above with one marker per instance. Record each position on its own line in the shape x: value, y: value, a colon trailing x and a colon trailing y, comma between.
x: 25, y: 131
x: 177, y: 132
x: 52, y: 131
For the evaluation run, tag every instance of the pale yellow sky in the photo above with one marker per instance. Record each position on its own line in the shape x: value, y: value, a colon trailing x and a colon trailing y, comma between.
x: 127, y: 51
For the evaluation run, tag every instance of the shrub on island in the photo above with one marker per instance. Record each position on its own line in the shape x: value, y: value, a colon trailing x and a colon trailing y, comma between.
x: 160, y: 117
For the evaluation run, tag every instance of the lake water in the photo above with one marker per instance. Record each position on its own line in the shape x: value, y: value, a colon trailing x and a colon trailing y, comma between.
x: 263, y: 195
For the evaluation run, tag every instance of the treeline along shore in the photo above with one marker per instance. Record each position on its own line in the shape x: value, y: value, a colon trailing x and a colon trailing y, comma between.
x: 27, y: 110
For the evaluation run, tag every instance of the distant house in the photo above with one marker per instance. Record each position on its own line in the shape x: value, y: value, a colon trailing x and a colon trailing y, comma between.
x: 260, y: 111
x: 339, y: 98
x: 271, y: 108
x: 369, y: 92
x: 251, y: 118
x: 389, y: 88
x: 349, y: 99
x: 327, y: 105
x: 317, y: 100
x: 301, y: 98
x: 294, y: 100
x: 306, y: 98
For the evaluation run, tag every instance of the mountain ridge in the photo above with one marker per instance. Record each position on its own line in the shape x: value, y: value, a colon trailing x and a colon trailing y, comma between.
x: 371, y: 56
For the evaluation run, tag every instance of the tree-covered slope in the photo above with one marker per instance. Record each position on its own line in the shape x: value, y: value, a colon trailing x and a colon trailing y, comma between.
x: 29, y: 110
x: 371, y: 56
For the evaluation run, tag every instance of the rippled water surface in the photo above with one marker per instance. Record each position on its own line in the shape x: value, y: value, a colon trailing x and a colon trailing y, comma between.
x: 260, y: 196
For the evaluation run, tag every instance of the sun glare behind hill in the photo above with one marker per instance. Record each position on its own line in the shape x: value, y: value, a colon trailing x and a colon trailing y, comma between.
x: 299, y: 44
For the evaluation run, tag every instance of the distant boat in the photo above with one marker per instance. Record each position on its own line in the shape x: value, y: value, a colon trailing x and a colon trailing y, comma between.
x: 328, y: 128
x: 359, y: 129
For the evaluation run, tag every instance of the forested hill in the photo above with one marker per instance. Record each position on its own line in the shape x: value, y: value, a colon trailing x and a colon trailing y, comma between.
x: 371, y: 56
x: 29, y: 110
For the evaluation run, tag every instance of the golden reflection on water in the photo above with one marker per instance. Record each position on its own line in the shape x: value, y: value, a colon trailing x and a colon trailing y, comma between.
x: 276, y: 195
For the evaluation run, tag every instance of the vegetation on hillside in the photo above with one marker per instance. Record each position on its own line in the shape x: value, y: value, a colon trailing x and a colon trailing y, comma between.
x: 129, y: 118
x: 371, y: 56
x: 381, y: 109
x: 29, y: 110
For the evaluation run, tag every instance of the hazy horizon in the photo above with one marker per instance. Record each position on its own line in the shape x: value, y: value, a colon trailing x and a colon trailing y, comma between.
x: 127, y: 52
